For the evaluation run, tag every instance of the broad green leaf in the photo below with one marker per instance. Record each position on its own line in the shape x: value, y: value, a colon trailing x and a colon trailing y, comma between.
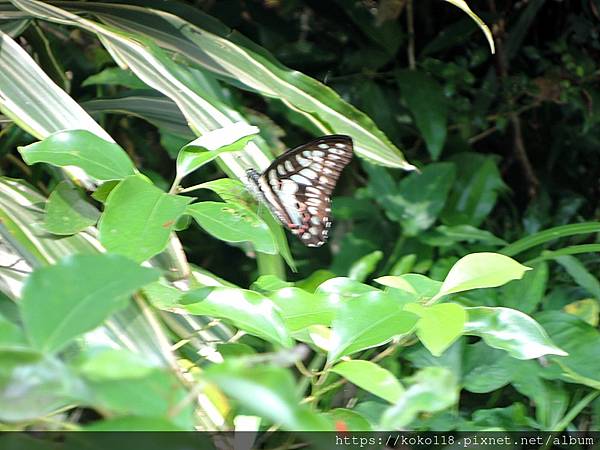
x: 247, y: 310
x: 372, y: 378
x: 365, y: 266
x: 232, y: 222
x: 269, y: 283
x: 138, y: 219
x: 527, y: 293
x: 100, y: 159
x: 301, y: 309
x: 481, y: 270
x: 130, y: 424
x: 474, y: 192
x: 421, y: 197
x: 439, y: 325
x: 275, y: 390
x: 76, y: 295
x: 162, y: 295
x: 232, y: 191
x: 33, y: 385
x: 510, y: 330
x: 101, y: 194
x: 117, y: 77
x: 581, y: 341
x: 11, y: 335
x: 580, y: 274
x: 67, y: 211
x: 511, y: 418
x: 486, y: 369
x: 550, y: 397
x: 414, y: 284
x: 314, y: 280
x: 586, y: 309
x: 366, y: 320
x: 207, y: 147
x: 112, y: 364
x: 159, y: 394
x: 431, y: 389
x: 425, y: 99
x: 347, y: 419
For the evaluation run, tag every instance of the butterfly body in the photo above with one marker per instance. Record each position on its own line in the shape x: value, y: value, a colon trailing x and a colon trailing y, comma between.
x: 297, y: 186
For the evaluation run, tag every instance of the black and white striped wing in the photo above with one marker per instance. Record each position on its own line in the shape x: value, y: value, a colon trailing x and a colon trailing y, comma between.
x: 298, y: 186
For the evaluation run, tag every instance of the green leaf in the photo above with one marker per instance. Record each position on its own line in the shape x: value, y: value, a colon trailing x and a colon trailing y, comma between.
x: 162, y: 295
x: 486, y: 369
x: 269, y: 283
x: 76, y: 295
x: 67, y: 211
x: 349, y: 420
x: 101, y: 194
x: 274, y: 387
x: 418, y: 286
x: 34, y: 385
x: 115, y: 76
x: 426, y: 101
x: 112, y: 364
x: 510, y: 330
x: 580, y: 274
x: 231, y: 222
x: 301, y: 309
x: 207, y: 147
x: 527, y: 293
x: 138, y: 219
x: 481, y: 270
x: 247, y: 310
x: 136, y: 423
x: 549, y: 235
x: 581, y: 341
x: 444, y: 236
x: 159, y: 394
x: 365, y: 266
x: 431, y: 389
x: 439, y: 325
x: 100, y: 159
x: 550, y: 398
x: 11, y: 335
x: 366, y: 317
x: 586, y: 309
x: 372, y: 378
x: 475, y: 190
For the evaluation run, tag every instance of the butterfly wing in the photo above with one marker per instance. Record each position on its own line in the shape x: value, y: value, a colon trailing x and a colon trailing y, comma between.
x: 299, y: 183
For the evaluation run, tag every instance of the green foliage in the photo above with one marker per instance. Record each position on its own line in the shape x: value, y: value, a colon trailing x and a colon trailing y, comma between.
x: 476, y: 274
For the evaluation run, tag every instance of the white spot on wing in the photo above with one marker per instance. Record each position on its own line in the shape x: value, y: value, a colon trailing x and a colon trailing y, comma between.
x: 280, y: 169
x: 306, y: 236
x: 319, y: 153
x: 315, y: 220
x: 309, y: 173
x: 313, y: 210
x: 323, y: 146
x: 300, y: 179
x: 313, y: 230
x: 340, y: 145
x: 289, y: 187
x: 288, y: 166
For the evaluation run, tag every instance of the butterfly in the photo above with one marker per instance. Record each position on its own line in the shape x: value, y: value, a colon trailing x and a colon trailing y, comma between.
x: 297, y: 186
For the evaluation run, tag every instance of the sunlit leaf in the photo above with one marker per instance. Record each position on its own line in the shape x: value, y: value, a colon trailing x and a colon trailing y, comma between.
x: 100, y: 159
x: 232, y: 222
x: 481, y: 270
x: 510, y: 330
x: 372, y: 378
x: 247, y: 310
x: 76, y: 295
x: 67, y: 211
x: 138, y: 219
x: 439, y: 325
